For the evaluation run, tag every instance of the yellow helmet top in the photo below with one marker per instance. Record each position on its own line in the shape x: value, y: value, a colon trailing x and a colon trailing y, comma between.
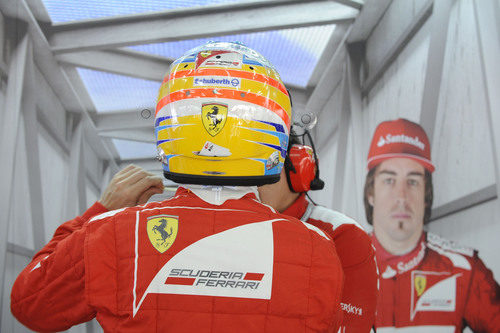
x: 222, y: 117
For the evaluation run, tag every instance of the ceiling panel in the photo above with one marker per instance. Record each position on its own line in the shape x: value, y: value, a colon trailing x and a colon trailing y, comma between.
x: 112, y: 92
x: 75, y: 10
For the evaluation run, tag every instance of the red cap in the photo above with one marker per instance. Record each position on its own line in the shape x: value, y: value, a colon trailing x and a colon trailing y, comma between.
x: 400, y: 138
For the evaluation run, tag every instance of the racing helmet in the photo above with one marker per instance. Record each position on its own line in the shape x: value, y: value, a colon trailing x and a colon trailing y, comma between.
x: 222, y: 118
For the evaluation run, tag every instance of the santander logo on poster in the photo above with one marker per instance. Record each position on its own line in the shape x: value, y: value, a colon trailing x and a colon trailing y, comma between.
x: 401, y: 138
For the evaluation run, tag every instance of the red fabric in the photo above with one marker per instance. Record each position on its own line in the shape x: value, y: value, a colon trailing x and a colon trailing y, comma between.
x: 302, y: 159
x: 120, y: 264
x: 40, y: 298
x: 400, y: 138
x: 357, y: 258
x: 439, y: 283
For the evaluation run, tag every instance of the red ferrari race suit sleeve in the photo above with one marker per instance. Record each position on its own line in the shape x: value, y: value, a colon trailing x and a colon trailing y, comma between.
x: 482, y: 309
x: 49, y: 294
x: 357, y: 257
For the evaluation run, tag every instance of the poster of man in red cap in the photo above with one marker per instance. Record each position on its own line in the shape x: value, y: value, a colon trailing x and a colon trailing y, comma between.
x: 427, y: 283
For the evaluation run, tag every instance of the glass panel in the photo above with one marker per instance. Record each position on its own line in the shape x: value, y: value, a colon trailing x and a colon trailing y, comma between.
x: 112, y: 92
x: 74, y: 10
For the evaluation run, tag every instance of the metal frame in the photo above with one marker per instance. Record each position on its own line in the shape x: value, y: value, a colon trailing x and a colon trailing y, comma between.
x: 20, y: 250
x: 122, y: 62
x: 33, y: 157
x: 343, y: 130
x: 123, y: 120
x: 184, y: 23
x: 368, y: 18
x: 138, y: 134
x: 470, y: 200
x: 76, y: 192
x: 358, y: 132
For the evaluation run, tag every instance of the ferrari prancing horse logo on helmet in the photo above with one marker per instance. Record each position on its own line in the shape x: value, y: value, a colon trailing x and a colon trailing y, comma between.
x: 162, y: 231
x: 213, y: 116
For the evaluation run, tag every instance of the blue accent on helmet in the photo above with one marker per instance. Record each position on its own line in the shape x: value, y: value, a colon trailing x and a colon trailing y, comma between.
x: 165, y: 165
x: 160, y: 119
x: 160, y: 128
x: 278, y: 148
x: 282, y: 137
x: 189, y: 58
x: 162, y: 141
x: 248, y: 61
x: 278, y: 127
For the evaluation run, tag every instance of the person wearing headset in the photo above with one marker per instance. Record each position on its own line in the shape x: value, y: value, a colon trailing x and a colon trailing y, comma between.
x: 212, y: 258
x: 352, y: 243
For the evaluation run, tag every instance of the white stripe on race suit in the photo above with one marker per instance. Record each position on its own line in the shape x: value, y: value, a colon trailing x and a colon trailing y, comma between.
x: 336, y: 219
x: 458, y: 260
x: 316, y: 229
x: 39, y: 264
x: 417, y: 329
x: 107, y: 214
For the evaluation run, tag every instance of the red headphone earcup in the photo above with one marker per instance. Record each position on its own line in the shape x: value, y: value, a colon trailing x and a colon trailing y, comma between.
x: 303, y: 168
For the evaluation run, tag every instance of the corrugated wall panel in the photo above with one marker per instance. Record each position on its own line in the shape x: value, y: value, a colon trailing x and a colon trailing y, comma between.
x: 14, y: 265
x: 476, y: 227
x: 326, y: 145
x: 92, y: 194
x: 399, y: 91
x: 327, y: 162
x: 392, y: 25
x: 54, y: 163
x: 49, y: 105
x: 20, y: 228
x: 93, y: 164
x: 462, y: 148
x: 353, y: 185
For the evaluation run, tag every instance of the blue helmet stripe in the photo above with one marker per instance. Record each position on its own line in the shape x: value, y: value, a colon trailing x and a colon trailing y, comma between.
x: 160, y: 119
x: 278, y: 127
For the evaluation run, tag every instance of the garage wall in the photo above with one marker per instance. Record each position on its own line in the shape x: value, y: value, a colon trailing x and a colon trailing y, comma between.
x: 466, y: 206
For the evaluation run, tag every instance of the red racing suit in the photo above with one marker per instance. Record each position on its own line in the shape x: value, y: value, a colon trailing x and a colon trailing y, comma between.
x: 184, y: 265
x: 357, y: 257
x: 439, y: 286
